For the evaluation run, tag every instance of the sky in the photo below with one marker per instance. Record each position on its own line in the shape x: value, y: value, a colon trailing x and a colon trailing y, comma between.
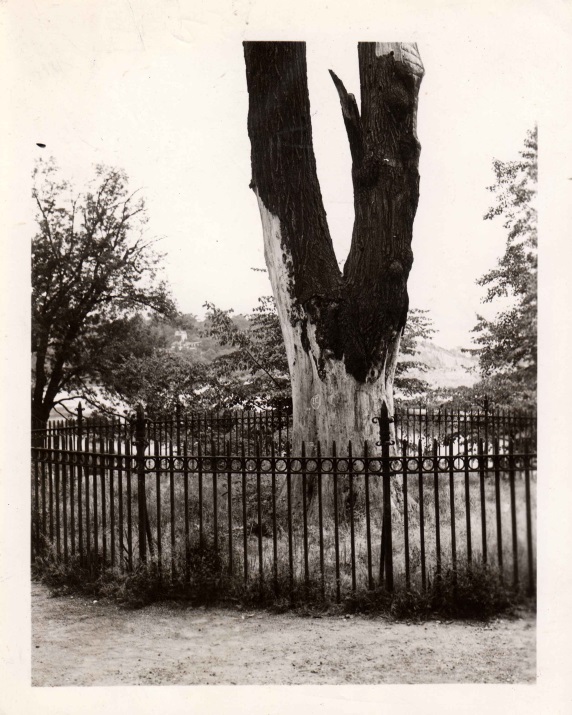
x: 158, y: 88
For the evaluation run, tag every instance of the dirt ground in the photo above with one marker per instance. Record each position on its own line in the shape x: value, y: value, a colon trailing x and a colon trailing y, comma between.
x: 77, y: 641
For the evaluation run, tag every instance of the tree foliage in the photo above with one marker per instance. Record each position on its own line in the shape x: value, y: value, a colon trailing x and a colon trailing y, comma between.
x: 419, y: 326
x: 160, y: 381
x: 255, y: 372
x: 93, y: 270
x: 507, y: 344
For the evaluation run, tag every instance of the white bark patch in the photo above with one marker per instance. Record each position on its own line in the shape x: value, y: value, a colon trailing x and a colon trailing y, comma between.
x: 340, y: 408
x: 277, y: 258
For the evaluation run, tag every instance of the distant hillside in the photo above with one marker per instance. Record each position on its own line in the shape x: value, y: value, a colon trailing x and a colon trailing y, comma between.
x: 447, y: 368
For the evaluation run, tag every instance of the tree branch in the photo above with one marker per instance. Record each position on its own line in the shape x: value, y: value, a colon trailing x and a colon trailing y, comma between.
x: 284, y: 173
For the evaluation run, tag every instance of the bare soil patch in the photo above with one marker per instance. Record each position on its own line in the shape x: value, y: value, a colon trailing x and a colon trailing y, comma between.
x: 76, y: 641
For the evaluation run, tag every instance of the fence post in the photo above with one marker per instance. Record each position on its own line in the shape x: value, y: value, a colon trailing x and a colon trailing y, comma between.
x: 530, y: 590
x: 487, y: 421
x: 386, y: 535
x: 141, y: 445
x: 178, y: 426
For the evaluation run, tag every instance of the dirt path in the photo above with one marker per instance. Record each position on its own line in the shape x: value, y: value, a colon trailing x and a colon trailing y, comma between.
x: 79, y: 642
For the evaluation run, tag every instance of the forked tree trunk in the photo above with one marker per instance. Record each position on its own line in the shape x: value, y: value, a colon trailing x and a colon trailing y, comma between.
x: 342, y: 331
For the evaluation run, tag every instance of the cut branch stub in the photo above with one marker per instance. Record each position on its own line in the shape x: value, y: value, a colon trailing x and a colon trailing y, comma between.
x: 352, y: 119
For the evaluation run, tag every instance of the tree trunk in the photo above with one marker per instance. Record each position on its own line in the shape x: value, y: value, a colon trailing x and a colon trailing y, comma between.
x: 342, y: 331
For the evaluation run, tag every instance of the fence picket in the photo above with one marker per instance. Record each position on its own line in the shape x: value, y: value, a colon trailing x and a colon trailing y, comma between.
x: 437, y: 508
x: 481, y: 460
x: 405, y: 514
x: 129, y: 467
x: 112, y: 465
x: 65, y: 498
x: 259, y: 514
x: 305, y: 516
x: 172, y: 507
x: 452, y: 507
x: 468, y: 504
x: 96, y: 463
x: 421, y: 515
x: 215, y: 496
x: 186, y: 506
x: 498, y: 506
x: 528, y: 518
x: 321, y: 520
x: 289, y: 506
x: 57, y: 455
x: 244, y: 524
x: 229, y: 506
x: 274, y: 521
x: 352, y: 524
x: 103, y: 499
x: 367, y: 515
x: 158, y: 502
x: 336, y: 530
x: 511, y: 476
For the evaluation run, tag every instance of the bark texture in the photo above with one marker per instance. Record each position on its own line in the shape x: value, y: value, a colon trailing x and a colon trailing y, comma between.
x: 342, y: 331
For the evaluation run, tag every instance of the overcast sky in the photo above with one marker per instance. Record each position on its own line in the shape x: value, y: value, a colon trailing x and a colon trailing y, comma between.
x: 158, y: 88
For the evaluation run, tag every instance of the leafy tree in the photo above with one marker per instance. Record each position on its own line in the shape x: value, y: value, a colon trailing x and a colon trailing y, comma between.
x: 419, y: 326
x: 92, y: 270
x: 255, y: 372
x: 160, y: 380
x: 507, y: 344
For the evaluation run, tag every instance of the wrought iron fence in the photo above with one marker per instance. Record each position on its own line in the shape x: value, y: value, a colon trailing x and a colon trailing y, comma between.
x: 334, y: 522
x: 214, y: 430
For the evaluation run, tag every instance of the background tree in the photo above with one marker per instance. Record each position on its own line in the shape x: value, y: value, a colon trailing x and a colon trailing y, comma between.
x: 507, y: 344
x: 92, y: 270
x: 419, y: 326
x: 342, y: 332
x: 160, y: 380
x: 255, y: 372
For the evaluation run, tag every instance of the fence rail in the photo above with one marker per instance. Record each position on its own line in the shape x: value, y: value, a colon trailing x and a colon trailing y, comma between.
x: 337, y: 522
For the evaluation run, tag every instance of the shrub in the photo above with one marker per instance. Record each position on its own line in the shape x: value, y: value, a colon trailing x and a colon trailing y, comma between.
x: 474, y: 592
